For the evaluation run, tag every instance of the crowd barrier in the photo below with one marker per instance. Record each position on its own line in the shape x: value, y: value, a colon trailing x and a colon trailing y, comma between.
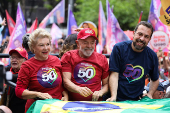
x: 2, y: 55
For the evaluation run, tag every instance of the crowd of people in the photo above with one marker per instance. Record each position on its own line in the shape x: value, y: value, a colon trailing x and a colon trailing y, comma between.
x: 81, y: 74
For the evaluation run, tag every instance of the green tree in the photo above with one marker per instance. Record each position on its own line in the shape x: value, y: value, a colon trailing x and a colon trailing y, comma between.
x: 127, y: 12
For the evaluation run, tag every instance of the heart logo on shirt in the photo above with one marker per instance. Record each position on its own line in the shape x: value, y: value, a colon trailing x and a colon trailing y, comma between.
x: 86, y: 73
x: 48, y: 77
x: 133, y: 73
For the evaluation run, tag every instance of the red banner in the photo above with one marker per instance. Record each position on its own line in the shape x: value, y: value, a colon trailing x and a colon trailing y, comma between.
x: 10, y: 21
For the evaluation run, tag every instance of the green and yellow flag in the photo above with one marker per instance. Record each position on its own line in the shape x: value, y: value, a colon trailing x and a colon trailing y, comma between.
x: 144, y: 105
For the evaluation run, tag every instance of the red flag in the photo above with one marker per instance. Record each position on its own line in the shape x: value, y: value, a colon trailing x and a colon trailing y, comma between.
x: 140, y: 16
x: 10, y: 21
x: 34, y: 26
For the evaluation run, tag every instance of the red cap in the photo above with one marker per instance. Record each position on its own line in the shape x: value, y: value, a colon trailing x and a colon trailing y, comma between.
x: 21, y: 51
x: 84, y: 33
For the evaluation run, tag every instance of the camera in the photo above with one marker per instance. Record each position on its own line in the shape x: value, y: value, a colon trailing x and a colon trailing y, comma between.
x: 3, y: 47
x: 4, y: 77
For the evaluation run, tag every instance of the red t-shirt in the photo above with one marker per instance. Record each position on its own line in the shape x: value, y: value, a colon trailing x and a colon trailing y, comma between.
x: 40, y: 76
x: 86, y: 72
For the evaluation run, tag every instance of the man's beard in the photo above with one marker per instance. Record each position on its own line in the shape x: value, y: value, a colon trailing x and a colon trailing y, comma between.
x: 139, y: 47
x: 86, y: 53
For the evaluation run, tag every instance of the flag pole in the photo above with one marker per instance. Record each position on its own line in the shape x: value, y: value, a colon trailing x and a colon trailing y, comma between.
x: 140, y: 17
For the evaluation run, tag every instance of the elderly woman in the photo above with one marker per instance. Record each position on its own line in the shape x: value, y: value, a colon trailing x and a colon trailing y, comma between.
x: 40, y: 76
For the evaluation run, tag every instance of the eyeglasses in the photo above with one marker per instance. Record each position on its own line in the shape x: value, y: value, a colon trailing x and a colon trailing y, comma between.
x: 12, y: 58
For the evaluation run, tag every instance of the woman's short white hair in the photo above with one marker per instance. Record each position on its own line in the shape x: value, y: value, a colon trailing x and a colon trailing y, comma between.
x: 35, y: 35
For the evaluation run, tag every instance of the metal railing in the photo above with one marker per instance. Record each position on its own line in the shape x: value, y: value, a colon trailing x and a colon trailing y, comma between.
x: 2, y: 55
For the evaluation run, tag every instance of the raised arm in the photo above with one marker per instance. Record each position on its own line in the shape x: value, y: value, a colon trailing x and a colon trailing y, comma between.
x: 3, y: 22
x: 113, y: 85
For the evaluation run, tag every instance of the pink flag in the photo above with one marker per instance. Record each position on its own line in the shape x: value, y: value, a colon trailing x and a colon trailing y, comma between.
x: 114, y: 33
x: 34, y: 26
x: 57, y: 15
x: 102, y: 29
x: 56, y: 34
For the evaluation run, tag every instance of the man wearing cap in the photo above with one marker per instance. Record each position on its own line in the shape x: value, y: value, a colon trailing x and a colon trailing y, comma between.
x: 159, y: 93
x: 17, y: 57
x: 84, y: 70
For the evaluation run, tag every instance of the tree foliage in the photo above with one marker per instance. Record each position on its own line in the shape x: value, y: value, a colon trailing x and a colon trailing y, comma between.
x: 127, y: 12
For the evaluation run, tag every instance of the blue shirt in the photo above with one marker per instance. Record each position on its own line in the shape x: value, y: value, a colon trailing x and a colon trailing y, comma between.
x: 132, y: 68
x: 30, y: 54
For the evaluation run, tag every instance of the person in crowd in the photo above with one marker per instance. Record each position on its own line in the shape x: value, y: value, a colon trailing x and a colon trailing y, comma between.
x: 40, y: 76
x: 159, y: 93
x: 85, y: 72
x: 130, y: 62
x: 85, y: 25
x: 3, y: 23
x: 60, y: 43
x: 69, y: 44
x: 1, y: 29
x: 17, y: 43
x: 25, y: 40
x: 17, y: 57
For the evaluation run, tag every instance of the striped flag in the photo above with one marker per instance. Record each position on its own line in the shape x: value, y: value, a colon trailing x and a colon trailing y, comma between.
x: 102, y: 26
x: 114, y: 33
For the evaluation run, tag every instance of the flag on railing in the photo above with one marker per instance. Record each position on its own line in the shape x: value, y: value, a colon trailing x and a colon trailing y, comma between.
x: 56, y: 34
x: 102, y: 26
x: 57, y: 15
x: 145, y: 105
x: 114, y: 33
x: 71, y: 22
x: 34, y: 26
x: 10, y: 22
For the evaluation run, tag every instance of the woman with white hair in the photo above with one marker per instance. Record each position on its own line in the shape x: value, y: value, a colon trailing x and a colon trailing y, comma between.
x: 40, y: 76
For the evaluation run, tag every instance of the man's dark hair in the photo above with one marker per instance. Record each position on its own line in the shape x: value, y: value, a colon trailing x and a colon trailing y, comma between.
x: 147, y: 24
x: 25, y: 39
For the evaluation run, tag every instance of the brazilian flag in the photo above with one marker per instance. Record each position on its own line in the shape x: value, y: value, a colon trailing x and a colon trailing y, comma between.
x: 144, y: 105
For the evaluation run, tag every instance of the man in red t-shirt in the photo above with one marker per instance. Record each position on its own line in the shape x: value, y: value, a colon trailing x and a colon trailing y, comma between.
x: 85, y: 72
x: 17, y: 57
